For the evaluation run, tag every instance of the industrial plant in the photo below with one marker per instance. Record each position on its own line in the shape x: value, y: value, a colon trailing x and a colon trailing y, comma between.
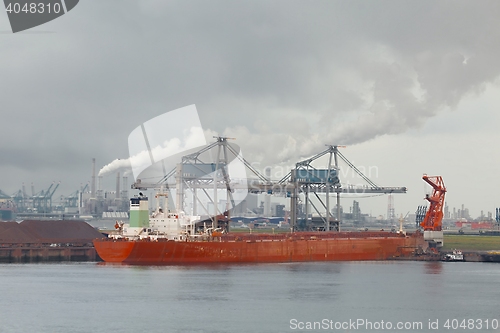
x: 298, y: 200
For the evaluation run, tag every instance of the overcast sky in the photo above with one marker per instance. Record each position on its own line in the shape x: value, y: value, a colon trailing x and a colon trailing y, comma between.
x: 411, y: 87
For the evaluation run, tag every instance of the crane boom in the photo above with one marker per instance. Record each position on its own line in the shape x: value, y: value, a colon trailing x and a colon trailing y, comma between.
x: 432, y: 222
x: 434, y: 216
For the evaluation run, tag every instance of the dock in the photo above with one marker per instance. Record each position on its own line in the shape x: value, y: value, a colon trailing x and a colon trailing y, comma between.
x: 47, y: 240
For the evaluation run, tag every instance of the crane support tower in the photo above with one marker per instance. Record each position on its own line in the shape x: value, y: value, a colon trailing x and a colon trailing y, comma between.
x: 432, y: 222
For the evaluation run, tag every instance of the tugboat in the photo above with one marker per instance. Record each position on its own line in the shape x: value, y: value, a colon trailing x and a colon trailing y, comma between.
x: 456, y: 255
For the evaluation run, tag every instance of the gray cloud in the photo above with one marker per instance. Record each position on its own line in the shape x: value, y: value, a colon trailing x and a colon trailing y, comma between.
x: 283, y: 77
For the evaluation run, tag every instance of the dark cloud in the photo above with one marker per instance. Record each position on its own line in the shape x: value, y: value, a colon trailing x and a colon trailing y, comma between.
x: 293, y: 74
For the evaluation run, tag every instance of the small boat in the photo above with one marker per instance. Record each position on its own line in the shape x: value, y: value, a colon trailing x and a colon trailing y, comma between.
x: 456, y: 255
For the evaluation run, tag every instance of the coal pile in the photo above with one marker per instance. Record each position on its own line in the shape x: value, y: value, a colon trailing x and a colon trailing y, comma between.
x: 48, y: 232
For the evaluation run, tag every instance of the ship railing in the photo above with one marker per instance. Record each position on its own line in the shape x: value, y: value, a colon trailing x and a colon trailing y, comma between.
x: 308, y: 236
x: 44, y: 245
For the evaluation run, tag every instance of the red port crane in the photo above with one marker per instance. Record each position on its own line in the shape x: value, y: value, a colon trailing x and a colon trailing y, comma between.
x: 434, y: 216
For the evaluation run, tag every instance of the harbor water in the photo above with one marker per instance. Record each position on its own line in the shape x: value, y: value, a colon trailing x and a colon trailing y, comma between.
x: 290, y: 297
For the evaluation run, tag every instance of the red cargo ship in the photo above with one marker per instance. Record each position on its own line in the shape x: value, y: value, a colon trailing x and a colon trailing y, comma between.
x: 174, y: 238
x: 237, y: 248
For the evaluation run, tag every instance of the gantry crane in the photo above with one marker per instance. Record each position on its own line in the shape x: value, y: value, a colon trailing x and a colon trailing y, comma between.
x: 307, y: 179
x: 432, y: 222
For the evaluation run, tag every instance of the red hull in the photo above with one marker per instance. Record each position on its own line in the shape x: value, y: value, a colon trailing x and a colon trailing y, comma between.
x: 247, y: 248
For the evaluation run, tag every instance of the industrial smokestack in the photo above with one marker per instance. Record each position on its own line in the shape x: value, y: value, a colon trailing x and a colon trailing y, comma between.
x: 117, y: 196
x: 92, y: 185
x: 99, y: 192
x: 125, y: 189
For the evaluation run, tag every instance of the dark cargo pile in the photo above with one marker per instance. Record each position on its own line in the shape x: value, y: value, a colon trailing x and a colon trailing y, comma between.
x: 45, y: 232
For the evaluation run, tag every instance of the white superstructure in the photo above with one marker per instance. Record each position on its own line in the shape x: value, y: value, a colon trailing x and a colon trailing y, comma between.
x: 162, y: 223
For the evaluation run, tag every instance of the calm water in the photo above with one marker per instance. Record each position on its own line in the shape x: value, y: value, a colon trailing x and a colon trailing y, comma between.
x: 90, y: 297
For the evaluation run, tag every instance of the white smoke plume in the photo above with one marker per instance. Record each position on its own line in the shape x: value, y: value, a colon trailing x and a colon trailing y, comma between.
x: 377, y: 69
x: 158, y: 138
x: 142, y: 160
x: 395, y: 96
x: 115, y: 166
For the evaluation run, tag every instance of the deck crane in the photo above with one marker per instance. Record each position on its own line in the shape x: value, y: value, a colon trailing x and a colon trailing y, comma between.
x: 432, y: 222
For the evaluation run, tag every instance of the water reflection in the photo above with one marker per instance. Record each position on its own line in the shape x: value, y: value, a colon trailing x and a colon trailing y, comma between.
x: 315, y: 267
x: 313, y: 281
x: 206, y: 284
x: 314, y: 292
x: 433, y: 267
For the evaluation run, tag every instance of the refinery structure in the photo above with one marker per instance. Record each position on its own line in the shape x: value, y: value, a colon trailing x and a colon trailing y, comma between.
x: 90, y: 201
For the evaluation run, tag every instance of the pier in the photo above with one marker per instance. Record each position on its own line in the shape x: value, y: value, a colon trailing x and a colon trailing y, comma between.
x: 27, y: 253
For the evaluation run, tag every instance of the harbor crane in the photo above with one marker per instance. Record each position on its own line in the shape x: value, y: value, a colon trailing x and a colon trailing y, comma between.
x: 432, y: 222
x: 305, y: 178
x: 205, y: 169
x: 43, y: 200
x: 308, y: 179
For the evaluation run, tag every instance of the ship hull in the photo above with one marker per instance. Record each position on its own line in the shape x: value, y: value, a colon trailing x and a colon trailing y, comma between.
x: 235, y: 248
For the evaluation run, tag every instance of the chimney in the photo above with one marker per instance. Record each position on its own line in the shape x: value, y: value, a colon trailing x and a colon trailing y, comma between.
x: 92, y: 185
x: 117, y: 196
x: 125, y: 189
x: 99, y: 187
